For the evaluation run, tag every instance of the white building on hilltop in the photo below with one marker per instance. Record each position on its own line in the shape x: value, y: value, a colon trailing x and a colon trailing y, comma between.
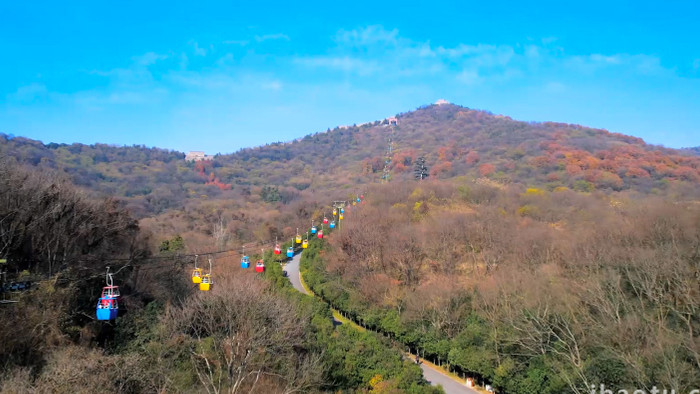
x: 441, y: 102
x: 197, y: 156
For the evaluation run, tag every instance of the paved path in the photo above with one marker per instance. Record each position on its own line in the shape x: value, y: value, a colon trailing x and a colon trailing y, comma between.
x: 433, y: 376
x: 450, y: 385
x: 292, y: 269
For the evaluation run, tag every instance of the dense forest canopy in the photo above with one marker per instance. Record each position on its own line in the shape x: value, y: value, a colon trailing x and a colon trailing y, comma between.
x: 251, y: 333
x: 534, y: 291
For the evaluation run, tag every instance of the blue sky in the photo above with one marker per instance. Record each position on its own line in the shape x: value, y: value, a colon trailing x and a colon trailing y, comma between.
x: 220, y: 75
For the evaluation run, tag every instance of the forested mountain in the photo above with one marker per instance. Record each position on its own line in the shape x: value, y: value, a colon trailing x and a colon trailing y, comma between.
x: 454, y: 140
x: 266, y: 192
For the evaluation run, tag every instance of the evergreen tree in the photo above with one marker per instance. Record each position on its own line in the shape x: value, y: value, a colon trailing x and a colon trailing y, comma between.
x: 420, y: 170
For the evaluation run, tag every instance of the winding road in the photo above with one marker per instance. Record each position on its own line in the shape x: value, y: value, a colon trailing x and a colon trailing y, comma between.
x: 432, y: 375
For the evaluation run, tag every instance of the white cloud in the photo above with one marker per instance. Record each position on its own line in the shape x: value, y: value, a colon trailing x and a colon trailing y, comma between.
x: 482, y: 55
x: 469, y: 77
x: 198, y: 51
x: 342, y: 63
x: 554, y: 87
x: 28, y: 93
x: 225, y: 60
x: 598, y: 58
x: 148, y: 58
x: 272, y: 85
x: 236, y: 42
x: 640, y: 63
x: 532, y: 51
x: 268, y: 37
x: 366, y: 36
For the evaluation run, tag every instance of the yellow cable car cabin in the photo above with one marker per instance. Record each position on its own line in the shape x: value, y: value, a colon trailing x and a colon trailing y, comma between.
x: 298, y: 239
x: 197, y: 275
x: 340, y: 217
x: 305, y: 244
x: 206, y: 282
x: 335, y: 211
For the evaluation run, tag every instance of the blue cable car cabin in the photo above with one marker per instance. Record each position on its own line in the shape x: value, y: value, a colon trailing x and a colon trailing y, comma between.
x: 313, y: 230
x: 107, y: 308
x: 290, y: 252
x: 333, y: 224
x: 245, y: 262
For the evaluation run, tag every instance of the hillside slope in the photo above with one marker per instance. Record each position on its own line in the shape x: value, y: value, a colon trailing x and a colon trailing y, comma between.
x: 454, y: 140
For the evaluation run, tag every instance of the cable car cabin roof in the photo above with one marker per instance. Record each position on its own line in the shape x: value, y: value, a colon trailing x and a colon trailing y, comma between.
x: 112, y: 291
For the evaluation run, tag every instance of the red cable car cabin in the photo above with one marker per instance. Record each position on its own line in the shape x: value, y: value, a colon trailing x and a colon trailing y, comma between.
x: 278, y: 249
x: 260, y: 266
x: 110, y: 292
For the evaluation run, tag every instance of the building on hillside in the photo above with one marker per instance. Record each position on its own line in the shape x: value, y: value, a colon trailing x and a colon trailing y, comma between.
x: 442, y: 102
x: 197, y: 156
x: 393, y: 121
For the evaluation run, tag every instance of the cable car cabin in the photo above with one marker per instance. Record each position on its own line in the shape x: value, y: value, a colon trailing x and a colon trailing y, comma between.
x: 342, y: 210
x: 107, y: 308
x: 206, y: 283
x: 298, y: 239
x: 313, y: 230
x: 320, y: 234
x: 260, y: 266
x: 290, y: 252
x: 358, y: 199
x: 305, y: 244
x: 354, y: 203
x: 245, y: 262
x: 333, y: 224
x: 325, y: 220
x: 197, y: 275
x: 340, y: 217
x: 335, y: 211
x: 278, y: 250
x: 362, y: 196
